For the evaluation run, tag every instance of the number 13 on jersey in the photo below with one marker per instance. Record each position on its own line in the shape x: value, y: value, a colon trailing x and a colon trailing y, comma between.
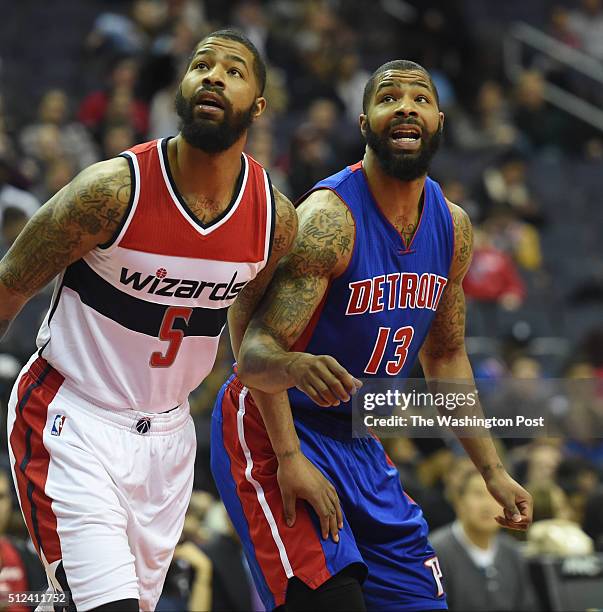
x: 402, y: 338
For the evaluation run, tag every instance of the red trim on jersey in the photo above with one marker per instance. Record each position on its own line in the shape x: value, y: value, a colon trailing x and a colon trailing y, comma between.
x: 355, y: 167
x: 36, y: 390
x: 302, y: 342
x: 159, y: 226
x: 301, y: 542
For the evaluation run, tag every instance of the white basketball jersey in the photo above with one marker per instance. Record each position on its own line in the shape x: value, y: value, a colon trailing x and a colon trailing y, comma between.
x: 135, y: 324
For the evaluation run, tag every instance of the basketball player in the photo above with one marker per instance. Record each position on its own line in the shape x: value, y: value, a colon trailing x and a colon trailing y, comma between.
x: 373, y: 281
x: 151, y: 249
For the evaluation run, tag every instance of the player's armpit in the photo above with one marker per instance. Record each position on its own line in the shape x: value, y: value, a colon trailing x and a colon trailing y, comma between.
x: 85, y: 213
x: 285, y: 230
x: 321, y: 251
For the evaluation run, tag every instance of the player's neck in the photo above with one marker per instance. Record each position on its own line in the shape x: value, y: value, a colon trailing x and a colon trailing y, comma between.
x: 212, y: 175
x: 394, y: 197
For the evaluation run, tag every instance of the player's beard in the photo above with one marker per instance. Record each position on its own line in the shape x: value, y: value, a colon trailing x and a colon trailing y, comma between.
x: 403, y: 165
x: 209, y: 135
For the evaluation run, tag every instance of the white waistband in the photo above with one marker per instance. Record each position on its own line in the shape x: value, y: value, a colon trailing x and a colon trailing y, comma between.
x: 157, y: 423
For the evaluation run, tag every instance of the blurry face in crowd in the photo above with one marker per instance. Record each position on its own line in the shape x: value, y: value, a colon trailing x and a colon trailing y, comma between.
x: 475, y: 507
x: 218, y: 98
x: 403, y: 124
x: 5, y: 502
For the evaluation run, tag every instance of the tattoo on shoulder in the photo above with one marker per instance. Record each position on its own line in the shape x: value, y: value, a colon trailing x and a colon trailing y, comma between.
x: 325, y: 238
x: 323, y: 243
x: 286, y: 222
x: 463, y: 238
x: 82, y: 215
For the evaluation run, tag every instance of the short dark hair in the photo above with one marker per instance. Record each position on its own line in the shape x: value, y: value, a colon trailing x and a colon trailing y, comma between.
x: 259, y: 66
x: 400, y: 64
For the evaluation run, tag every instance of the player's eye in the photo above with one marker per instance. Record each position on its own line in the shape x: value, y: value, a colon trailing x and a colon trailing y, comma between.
x: 422, y: 98
x: 200, y: 65
x: 236, y: 72
x: 387, y: 98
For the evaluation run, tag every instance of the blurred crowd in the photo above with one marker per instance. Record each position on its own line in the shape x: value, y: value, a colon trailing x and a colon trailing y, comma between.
x: 527, y: 172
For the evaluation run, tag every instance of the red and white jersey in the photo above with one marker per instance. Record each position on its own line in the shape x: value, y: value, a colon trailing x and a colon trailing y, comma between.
x: 135, y: 323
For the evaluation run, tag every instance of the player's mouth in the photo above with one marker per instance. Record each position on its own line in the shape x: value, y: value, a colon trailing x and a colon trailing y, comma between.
x: 406, y: 137
x: 209, y: 103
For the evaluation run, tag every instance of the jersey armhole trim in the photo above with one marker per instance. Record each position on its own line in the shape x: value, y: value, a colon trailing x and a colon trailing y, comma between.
x: 271, y: 222
x: 132, y: 204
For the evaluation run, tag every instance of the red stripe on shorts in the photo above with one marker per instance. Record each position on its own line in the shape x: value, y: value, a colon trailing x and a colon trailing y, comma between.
x: 301, y: 542
x: 36, y: 390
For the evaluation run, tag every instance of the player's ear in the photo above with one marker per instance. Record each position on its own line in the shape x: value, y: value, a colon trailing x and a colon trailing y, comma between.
x: 362, y: 121
x: 441, y: 120
x: 260, y: 107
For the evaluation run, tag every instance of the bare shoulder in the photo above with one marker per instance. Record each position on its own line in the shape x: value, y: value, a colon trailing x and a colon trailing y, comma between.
x: 103, y: 191
x: 326, y: 231
x: 82, y: 215
x: 285, y: 228
x: 463, y: 240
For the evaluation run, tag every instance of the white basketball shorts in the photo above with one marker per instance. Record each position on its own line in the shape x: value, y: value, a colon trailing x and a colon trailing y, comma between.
x: 103, y: 493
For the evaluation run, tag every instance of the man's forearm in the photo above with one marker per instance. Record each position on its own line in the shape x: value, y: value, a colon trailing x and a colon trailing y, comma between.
x: 454, y: 375
x: 276, y: 414
x: 265, y: 365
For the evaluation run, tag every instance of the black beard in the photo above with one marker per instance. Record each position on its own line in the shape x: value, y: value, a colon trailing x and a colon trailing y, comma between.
x: 207, y: 135
x: 401, y: 165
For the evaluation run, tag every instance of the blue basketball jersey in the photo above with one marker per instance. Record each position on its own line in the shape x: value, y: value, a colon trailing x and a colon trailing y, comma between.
x: 376, y: 315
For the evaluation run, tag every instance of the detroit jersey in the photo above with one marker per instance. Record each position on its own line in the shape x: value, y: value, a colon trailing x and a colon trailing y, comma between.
x: 135, y: 323
x: 375, y: 316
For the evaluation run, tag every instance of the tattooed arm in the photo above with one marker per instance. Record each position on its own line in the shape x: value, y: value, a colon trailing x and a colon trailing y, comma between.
x: 444, y: 360
x: 83, y: 214
x: 321, y: 251
x: 285, y: 230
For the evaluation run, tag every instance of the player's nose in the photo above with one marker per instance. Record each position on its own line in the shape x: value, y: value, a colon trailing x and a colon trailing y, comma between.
x: 214, y: 77
x: 405, y: 109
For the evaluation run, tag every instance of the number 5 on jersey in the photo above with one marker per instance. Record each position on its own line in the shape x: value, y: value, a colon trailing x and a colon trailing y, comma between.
x: 402, y: 337
x: 171, y: 335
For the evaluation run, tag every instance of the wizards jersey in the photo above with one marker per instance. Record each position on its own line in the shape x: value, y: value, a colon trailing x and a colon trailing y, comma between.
x: 375, y: 316
x: 135, y: 323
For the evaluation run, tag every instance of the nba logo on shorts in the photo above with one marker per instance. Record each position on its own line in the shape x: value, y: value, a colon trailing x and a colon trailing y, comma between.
x: 57, y: 426
x: 143, y: 426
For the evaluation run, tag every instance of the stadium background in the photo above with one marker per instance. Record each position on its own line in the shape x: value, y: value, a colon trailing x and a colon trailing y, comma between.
x: 523, y: 153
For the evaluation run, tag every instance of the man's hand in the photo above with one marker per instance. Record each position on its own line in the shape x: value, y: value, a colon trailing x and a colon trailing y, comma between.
x: 298, y: 477
x: 516, y: 501
x: 322, y: 379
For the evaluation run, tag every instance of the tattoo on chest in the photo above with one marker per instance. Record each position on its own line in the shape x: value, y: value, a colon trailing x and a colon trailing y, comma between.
x: 205, y: 209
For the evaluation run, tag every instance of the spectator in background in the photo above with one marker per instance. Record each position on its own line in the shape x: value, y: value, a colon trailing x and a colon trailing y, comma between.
x: 493, y: 276
x: 593, y: 517
x: 351, y: 78
x: 19, y: 340
x: 13, y: 197
x: 127, y: 34
x: 560, y: 27
x: 587, y: 24
x: 543, y: 126
x: 489, y: 126
x: 118, y: 137
x: 117, y: 102
x: 515, y: 237
x: 74, y: 140
x: 20, y: 569
x: 314, y: 148
x: 483, y: 569
x: 57, y: 174
x: 504, y: 188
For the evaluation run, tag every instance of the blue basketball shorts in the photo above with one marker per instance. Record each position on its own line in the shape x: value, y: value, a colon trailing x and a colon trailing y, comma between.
x: 384, y: 532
